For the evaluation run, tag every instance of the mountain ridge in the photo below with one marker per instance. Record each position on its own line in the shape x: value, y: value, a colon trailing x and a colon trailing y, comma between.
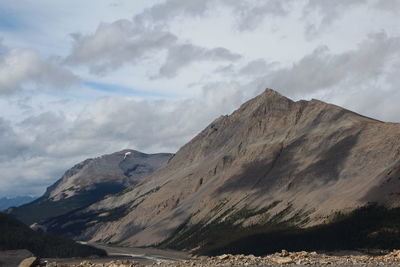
x: 89, y: 181
x: 272, y: 161
x: 7, y: 202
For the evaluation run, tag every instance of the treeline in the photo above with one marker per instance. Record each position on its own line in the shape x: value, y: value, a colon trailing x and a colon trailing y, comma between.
x: 370, y: 227
x: 16, y: 235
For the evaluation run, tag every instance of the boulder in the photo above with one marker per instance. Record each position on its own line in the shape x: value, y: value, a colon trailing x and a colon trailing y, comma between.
x: 223, y: 257
x: 30, y: 262
x: 282, y: 260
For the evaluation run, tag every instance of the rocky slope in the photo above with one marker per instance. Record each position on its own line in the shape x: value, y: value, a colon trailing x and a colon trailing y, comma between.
x: 272, y: 164
x: 89, y: 181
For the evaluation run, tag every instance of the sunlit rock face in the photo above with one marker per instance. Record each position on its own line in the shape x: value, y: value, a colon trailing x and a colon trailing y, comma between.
x: 273, y: 160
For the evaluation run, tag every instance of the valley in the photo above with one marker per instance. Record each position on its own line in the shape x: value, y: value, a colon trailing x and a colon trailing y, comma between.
x: 274, y: 175
x: 184, y: 133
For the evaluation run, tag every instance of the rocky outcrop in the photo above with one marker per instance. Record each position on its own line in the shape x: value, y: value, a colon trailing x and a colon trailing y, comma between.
x: 89, y: 181
x: 30, y: 262
x: 272, y: 162
x: 37, y: 227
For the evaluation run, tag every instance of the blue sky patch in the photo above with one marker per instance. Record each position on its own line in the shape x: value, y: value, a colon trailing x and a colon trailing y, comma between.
x: 10, y: 20
x: 122, y: 90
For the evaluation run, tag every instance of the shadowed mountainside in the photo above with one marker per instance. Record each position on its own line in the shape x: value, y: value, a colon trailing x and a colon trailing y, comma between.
x: 272, y: 162
x: 6, y: 202
x: 89, y: 181
x: 16, y: 235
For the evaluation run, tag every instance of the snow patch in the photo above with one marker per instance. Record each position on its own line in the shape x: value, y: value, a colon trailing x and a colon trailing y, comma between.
x: 127, y: 154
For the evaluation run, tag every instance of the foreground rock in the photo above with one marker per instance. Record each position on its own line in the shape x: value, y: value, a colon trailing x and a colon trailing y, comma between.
x: 30, y: 262
x: 114, y: 263
x: 277, y: 259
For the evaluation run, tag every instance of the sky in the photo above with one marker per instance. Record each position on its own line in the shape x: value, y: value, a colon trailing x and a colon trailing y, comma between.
x: 79, y: 79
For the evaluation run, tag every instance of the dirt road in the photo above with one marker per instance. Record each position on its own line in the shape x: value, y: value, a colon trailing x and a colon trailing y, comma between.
x: 145, y: 256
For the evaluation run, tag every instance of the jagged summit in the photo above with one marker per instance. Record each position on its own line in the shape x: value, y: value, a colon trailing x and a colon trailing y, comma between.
x: 271, y: 161
x: 271, y: 104
x: 268, y: 92
x: 268, y: 97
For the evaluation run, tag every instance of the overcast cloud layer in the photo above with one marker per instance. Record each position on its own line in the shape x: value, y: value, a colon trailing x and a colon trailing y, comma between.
x: 81, y: 79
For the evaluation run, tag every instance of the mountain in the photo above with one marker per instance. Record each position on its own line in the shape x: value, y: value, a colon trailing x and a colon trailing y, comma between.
x: 16, y: 235
x: 274, y: 165
x: 89, y: 181
x: 7, y: 202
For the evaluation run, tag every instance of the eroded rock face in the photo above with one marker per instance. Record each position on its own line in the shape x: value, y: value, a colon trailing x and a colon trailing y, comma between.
x: 272, y: 160
x: 89, y: 181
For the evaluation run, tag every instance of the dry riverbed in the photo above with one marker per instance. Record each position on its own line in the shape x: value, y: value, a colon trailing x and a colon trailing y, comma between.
x: 283, y: 258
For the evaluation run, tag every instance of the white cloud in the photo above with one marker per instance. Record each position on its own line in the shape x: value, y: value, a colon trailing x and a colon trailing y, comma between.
x: 248, y: 14
x: 124, y: 42
x: 256, y: 67
x: 11, y: 144
x: 251, y: 14
x: 47, y: 144
x: 322, y: 70
x: 180, y: 56
x: 387, y: 5
x: 319, y: 15
x: 2, y: 46
x: 167, y: 10
x: 116, y: 44
x: 227, y: 50
x: 21, y: 67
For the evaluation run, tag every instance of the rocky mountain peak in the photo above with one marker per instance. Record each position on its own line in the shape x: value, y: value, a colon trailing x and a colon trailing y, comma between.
x: 269, y: 99
x: 272, y: 162
x: 272, y: 94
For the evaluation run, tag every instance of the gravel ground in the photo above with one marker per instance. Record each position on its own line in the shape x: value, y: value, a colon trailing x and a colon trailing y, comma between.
x: 283, y: 258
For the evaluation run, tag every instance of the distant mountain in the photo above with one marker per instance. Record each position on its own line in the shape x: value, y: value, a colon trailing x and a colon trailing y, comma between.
x: 274, y: 173
x: 89, y: 181
x: 16, y: 235
x: 7, y: 202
